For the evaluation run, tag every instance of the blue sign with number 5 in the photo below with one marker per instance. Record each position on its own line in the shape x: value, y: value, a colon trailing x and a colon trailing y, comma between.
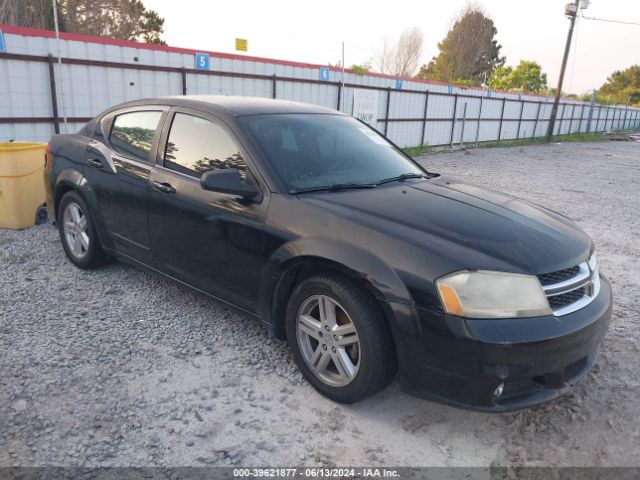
x: 399, y: 83
x: 324, y: 73
x: 2, y: 46
x: 202, y: 61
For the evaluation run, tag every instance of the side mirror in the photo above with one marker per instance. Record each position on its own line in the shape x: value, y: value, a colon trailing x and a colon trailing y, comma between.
x: 228, y: 180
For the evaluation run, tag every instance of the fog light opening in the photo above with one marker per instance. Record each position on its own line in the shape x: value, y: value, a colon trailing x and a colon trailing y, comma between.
x: 498, y: 391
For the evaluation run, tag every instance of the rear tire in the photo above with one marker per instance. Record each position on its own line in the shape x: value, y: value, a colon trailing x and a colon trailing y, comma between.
x: 78, y: 234
x: 339, y: 338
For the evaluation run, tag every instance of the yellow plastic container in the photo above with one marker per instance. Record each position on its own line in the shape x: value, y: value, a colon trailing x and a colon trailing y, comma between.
x: 21, y: 183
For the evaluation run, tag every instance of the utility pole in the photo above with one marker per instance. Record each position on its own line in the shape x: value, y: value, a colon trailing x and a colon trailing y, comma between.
x: 343, y: 92
x: 571, y: 10
x: 54, y: 4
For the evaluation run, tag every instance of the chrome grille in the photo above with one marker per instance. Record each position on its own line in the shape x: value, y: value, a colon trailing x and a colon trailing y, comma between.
x: 573, y: 288
x: 560, y: 275
x: 564, y: 299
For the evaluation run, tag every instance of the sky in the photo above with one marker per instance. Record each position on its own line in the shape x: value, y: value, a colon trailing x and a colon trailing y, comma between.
x: 313, y: 32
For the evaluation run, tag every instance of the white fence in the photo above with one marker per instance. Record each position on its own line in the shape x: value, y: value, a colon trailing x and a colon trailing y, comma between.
x: 41, y: 95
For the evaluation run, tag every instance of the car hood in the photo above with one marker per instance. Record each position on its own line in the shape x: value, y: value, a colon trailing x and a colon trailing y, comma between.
x: 472, y: 226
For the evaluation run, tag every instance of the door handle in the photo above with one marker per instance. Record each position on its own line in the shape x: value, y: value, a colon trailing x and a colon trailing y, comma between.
x: 163, y: 187
x: 94, y: 162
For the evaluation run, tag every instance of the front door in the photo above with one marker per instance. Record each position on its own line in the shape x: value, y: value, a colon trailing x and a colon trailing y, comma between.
x: 212, y: 241
x: 118, y: 169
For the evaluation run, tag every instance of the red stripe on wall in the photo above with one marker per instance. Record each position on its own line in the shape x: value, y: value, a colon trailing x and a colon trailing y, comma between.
x: 36, y: 32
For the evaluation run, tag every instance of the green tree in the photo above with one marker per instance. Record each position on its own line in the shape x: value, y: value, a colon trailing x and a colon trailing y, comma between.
x: 121, y: 19
x: 469, y: 52
x: 622, y: 87
x: 526, y: 77
x: 360, y: 69
x: 32, y: 13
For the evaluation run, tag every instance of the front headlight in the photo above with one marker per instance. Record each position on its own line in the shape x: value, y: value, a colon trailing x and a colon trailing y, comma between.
x: 485, y: 294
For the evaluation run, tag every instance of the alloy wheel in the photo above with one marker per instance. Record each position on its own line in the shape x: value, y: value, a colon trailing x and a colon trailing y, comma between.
x: 328, y: 340
x: 76, y: 230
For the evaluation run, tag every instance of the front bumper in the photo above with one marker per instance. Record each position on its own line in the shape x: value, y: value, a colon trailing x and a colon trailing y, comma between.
x: 463, y: 361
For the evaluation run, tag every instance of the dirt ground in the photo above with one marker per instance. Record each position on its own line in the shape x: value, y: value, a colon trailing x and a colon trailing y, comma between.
x: 120, y: 367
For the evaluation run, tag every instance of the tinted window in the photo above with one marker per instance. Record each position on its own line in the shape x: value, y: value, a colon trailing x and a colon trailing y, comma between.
x: 196, y: 145
x: 316, y: 150
x: 132, y: 134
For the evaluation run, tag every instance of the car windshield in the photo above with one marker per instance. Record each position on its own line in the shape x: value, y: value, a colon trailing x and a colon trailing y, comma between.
x: 324, y: 151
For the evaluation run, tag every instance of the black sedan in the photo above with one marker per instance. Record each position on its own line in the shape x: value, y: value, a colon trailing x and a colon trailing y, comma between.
x: 316, y: 224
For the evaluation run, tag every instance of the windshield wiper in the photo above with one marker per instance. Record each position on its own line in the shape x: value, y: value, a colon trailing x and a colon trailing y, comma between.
x: 400, y: 178
x: 333, y: 188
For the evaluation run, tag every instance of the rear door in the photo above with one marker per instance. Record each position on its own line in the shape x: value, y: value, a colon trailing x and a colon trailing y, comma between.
x: 212, y: 241
x: 118, y: 167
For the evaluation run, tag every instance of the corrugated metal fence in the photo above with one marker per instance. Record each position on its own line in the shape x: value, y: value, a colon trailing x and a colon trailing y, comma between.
x: 42, y: 96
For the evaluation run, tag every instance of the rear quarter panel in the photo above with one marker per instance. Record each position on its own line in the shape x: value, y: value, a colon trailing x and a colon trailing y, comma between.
x: 66, y: 168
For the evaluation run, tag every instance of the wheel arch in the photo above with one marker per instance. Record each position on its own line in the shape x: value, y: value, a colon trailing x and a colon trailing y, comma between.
x: 294, y: 262
x: 72, y: 180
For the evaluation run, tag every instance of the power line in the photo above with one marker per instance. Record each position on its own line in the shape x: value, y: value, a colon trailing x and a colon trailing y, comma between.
x: 609, y: 20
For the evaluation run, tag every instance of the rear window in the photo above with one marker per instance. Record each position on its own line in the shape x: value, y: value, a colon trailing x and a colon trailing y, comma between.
x: 132, y: 134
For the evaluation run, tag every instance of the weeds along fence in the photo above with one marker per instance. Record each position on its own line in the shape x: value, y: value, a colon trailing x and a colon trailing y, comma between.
x: 52, y: 86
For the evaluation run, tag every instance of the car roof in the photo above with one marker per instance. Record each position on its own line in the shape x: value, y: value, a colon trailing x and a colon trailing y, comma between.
x: 234, y: 105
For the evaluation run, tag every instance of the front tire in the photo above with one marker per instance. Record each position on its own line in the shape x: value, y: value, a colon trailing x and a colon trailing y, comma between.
x: 339, y: 338
x: 78, y: 233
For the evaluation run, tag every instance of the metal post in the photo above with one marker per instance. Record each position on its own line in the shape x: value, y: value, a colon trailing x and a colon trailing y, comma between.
x: 535, y: 125
x: 567, y: 47
x: 573, y: 112
x: 620, y: 122
x: 273, y: 86
x: 54, y: 95
x: 520, y: 119
x: 183, y: 73
x: 57, y: 29
x: 598, y: 121
x: 559, y: 131
x: 591, y: 107
x: 504, y: 101
x: 626, y: 110
x: 342, y: 69
x: 424, y: 116
x: 338, y: 104
x: 479, y: 120
x: 619, y: 118
x: 453, y: 118
x: 613, y: 119
x: 464, y: 121
x: 386, y: 115
x: 581, y: 118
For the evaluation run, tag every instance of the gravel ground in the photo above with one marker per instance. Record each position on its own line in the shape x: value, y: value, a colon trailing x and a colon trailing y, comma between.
x: 120, y: 367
